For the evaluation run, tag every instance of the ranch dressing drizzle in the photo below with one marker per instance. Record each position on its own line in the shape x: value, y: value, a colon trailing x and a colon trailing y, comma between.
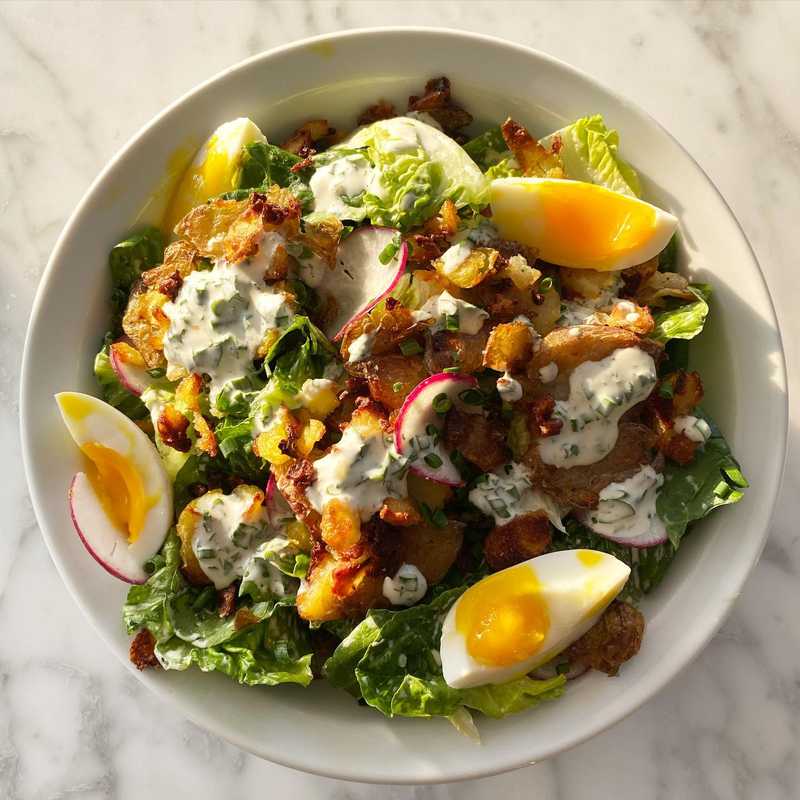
x: 600, y: 393
x: 361, y: 473
x: 452, y: 314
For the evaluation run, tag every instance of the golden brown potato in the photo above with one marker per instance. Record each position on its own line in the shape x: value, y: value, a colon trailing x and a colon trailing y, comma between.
x: 479, y: 439
x: 580, y: 486
x: 302, y: 141
x: 423, y: 490
x: 293, y: 478
x: 534, y: 159
x: 400, y: 512
x: 432, y: 550
x: 626, y: 314
x: 340, y: 526
x: 205, y: 226
x: 463, y: 351
x: 187, y: 395
x: 614, y: 639
x: 586, y: 284
x: 509, y: 348
x: 146, y: 324
x: 525, y: 536
x: 186, y: 526
x: 474, y: 269
x: 390, y: 378
x: 389, y: 322
x: 661, y: 286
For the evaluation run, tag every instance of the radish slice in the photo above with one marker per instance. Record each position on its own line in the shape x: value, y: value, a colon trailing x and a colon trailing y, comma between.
x: 103, y: 541
x: 656, y: 535
x: 417, y: 433
x: 134, y: 379
x: 359, y: 280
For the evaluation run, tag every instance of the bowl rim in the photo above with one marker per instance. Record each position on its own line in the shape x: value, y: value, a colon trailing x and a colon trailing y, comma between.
x: 702, y: 633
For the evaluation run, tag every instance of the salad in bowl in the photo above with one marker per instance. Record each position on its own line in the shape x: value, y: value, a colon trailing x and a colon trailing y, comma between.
x: 402, y: 408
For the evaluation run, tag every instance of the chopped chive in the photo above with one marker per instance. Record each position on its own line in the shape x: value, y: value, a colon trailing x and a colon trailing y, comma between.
x: 433, y: 461
x: 472, y: 397
x: 442, y: 403
x: 410, y: 347
x: 431, y: 429
x: 450, y: 369
x: 546, y: 284
x: 397, y: 386
x: 451, y: 322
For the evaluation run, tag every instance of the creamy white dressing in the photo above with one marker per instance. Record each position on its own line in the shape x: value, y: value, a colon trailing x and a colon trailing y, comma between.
x: 360, y: 349
x: 509, y: 389
x: 342, y: 179
x: 220, y: 317
x: 508, y: 492
x: 407, y: 587
x: 452, y: 314
x: 226, y: 536
x: 549, y: 372
x: 600, y: 393
x: 693, y: 428
x: 455, y: 256
x: 582, y: 311
x: 361, y: 473
x: 627, y: 510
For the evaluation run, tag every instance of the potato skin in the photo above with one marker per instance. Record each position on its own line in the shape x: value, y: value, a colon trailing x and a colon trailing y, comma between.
x: 390, y: 378
x: 186, y: 528
x: 479, y: 439
x: 524, y: 537
x: 509, y: 348
x: 432, y: 550
x: 614, y: 639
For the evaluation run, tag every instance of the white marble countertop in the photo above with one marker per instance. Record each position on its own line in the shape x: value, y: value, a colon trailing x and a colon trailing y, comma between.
x: 77, y: 80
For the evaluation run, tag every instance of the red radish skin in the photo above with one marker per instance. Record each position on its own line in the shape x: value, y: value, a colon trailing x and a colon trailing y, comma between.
x: 134, y: 379
x: 104, y: 564
x: 649, y: 539
x: 417, y: 413
x: 358, y: 268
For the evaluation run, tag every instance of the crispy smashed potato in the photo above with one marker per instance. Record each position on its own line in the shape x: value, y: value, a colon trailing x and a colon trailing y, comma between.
x: 172, y: 427
x: 432, y: 550
x: 509, y: 348
x: 423, y: 490
x: 614, y: 639
x: 205, y: 226
x: 534, y: 159
x: 626, y: 314
x: 293, y: 478
x: 635, y: 277
x: 479, y: 439
x: 677, y: 395
x: 525, y: 536
x: 340, y: 526
x: 187, y: 395
x: 304, y: 140
x: 520, y: 272
x: 277, y: 443
x: 185, y: 527
x: 474, y: 269
x: 661, y: 286
x: 146, y: 324
x: 321, y: 236
x: 390, y: 378
x: 448, y: 350
x: 589, y: 284
x: 400, y: 512
x: 390, y: 322
x: 590, y: 343
x: 383, y: 109
x: 580, y: 486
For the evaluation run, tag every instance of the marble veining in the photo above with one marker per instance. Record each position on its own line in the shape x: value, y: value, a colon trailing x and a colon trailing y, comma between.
x: 76, y: 80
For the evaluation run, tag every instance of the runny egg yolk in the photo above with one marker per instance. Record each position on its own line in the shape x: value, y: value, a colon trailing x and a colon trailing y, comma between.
x: 119, y: 487
x: 583, y: 223
x: 589, y: 558
x: 503, y: 618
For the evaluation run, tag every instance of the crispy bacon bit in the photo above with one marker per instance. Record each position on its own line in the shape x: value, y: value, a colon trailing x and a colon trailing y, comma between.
x: 381, y: 110
x: 301, y: 165
x: 170, y: 285
x: 172, y: 427
x: 676, y: 395
x: 437, y: 102
x: 524, y: 537
x: 302, y: 473
x: 275, y: 212
x: 541, y: 416
x: 226, y: 600
x: 142, y: 652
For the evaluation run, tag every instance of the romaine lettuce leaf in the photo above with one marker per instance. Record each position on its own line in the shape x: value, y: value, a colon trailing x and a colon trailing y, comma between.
x: 112, y: 391
x: 184, y: 621
x: 686, y: 320
x: 265, y: 164
x: 418, y: 167
x: 490, y: 152
x: 302, y: 352
x: 691, y: 492
x: 127, y: 261
x: 589, y: 153
x: 273, y: 651
x: 391, y: 661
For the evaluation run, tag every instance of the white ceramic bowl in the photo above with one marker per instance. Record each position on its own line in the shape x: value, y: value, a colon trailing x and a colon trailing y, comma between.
x: 321, y: 730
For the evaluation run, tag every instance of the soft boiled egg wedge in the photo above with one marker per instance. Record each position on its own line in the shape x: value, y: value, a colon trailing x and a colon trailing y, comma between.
x: 215, y: 168
x: 580, y: 225
x: 513, y: 621
x: 121, y: 506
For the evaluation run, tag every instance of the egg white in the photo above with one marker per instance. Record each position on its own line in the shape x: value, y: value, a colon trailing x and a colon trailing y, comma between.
x: 571, y: 590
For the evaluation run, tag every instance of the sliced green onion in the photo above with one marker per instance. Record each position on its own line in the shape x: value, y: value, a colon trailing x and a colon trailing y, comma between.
x: 442, y: 403
x: 410, y: 347
x: 433, y: 461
